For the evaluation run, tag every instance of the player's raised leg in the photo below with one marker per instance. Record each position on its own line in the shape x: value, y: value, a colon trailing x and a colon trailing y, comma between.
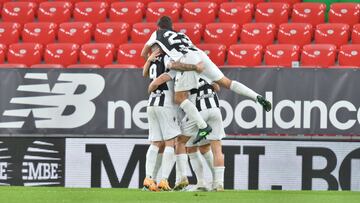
x: 212, y: 72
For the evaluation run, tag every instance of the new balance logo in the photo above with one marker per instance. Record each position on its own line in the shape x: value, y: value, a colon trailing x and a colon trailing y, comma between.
x: 68, y: 104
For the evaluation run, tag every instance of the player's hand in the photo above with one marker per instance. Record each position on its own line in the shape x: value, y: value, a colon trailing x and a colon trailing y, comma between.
x: 200, y: 67
x: 152, y: 87
x: 154, y: 54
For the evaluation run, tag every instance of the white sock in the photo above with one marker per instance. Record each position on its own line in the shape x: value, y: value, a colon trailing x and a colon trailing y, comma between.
x: 193, y: 114
x: 209, y: 158
x: 219, y: 175
x: 181, y: 161
x: 151, y: 156
x: 197, y: 166
x: 157, y: 165
x: 177, y: 172
x: 241, y: 89
x: 167, y: 162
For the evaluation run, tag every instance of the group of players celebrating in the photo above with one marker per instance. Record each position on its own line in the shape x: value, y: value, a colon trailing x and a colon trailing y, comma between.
x: 183, y: 76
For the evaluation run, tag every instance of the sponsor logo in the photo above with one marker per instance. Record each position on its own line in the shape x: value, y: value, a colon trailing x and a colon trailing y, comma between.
x: 65, y: 103
x: 256, y: 165
x: 286, y: 114
x: 29, y: 162
x: 41, y: 165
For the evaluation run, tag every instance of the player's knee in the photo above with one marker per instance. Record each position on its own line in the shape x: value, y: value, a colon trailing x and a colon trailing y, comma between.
x: 190, y: 150
x: 180, y: 97
x: 224, y: 82
x: 204, y: 149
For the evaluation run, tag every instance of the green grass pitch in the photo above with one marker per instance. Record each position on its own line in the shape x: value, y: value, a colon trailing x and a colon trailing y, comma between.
x: 80, y: 195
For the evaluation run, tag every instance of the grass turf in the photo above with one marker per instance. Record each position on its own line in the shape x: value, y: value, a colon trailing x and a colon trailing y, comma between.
x: 79, y: 195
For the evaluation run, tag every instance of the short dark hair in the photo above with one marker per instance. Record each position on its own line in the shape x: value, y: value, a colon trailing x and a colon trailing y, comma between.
x: 165, y: 22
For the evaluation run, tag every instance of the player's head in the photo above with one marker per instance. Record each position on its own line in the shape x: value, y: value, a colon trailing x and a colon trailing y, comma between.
x: 165, y: 22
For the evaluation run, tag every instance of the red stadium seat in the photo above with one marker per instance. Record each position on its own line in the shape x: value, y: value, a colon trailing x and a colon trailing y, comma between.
x: 250, y: 1
x: 275, y: 13
x: 120, y: 66
x: 128, y: 12
x: 9, y: 33
x: 19, y: 12
x: 47, y: 66
x: 83, y: 66
x: 258, y: 33
x: 218, y: 2
x: 93, y: 12
x: 290, y: 2
x: 130, y: 54
x: 13, y: 65
x: 216, y: 52
x: 25, y: 53
x: 75, y: 32
x: 182, y: 2
x: 112, y: 32
x: 313, y: 13
x: 141, y: 32
x: 193, y: 30
x: 56, y: 12
x: 42, y: 32
x: 281, y: 54
x: 349, y: 55
x: 146, y: 2
x: 318, y: 55
x: 61, y: 53
x: 295, y: 33
x: 348, y: 13
x: 223, y: 33
x: 245, y: 55
x: 97, y: 53
x: 2, y: 53
x: 332, y: 33
x: 355, y: 35
x: 200, y: 12
x: 157, y: 9
x: 236, y: 12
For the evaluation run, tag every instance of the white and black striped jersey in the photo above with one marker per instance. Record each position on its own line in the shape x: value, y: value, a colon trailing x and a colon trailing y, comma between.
x: 163, y: 95
x: 204, y: 97
x: 174, y: 44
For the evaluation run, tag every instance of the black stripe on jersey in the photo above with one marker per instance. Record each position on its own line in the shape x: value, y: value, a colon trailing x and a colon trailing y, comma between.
x: 152, y: 101
x: 162, y: 100
x: 216, y: 101
x: 207, y: 100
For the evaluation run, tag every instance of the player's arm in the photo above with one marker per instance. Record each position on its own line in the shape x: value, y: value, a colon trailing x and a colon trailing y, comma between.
x: 159, y: 81
x: 147, y: 47
x: 145, y: 51
x: 151, y: 58
x: 175, y: 65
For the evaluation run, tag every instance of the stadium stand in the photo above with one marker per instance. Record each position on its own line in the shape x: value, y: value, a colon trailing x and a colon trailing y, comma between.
x: 212, y: 24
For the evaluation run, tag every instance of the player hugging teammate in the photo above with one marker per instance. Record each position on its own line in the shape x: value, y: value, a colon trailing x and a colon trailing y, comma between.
x: 174, y: 57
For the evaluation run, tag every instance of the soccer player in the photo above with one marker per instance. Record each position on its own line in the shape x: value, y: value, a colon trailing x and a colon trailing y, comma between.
x: 163, y: 124
x: 207, y: 103
x: 181, y: 50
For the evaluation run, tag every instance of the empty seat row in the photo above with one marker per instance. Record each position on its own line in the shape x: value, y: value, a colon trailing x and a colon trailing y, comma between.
x: 66, y: 54
x: 224, y: 33
x: 239, y: 55
x: 202, y: 12
x: 286, y: 55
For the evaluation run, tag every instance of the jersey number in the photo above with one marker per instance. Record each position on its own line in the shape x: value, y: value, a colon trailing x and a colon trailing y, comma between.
x: 178, y: 41
x: 152, y: 72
